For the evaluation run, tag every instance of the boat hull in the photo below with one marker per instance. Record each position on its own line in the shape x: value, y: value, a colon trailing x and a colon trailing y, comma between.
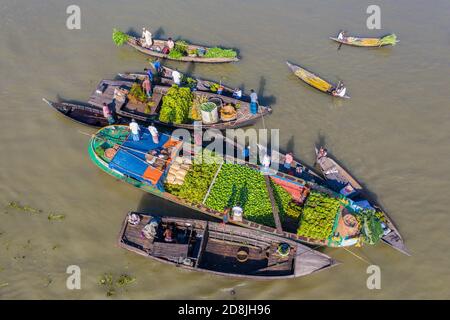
x: 134, y: 43
x: 393, y: 239
x: 313, y: 80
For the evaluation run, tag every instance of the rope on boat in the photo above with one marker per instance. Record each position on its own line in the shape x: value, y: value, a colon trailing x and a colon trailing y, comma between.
x: 212, y: 183
x: 357, y: 256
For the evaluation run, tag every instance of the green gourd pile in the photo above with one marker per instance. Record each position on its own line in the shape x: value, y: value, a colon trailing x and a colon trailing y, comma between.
x: 176, y: 105
x: 318, y: 216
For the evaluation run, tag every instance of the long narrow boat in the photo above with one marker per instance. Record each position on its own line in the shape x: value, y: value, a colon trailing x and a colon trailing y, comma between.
x: 200, y: 85
x: 388, y: 40
x: 339, y: 178
x: 314, y: 80
x: 156, y: 51
x: 106, y: 91
x: 220, y: 249
x: 275, y: 202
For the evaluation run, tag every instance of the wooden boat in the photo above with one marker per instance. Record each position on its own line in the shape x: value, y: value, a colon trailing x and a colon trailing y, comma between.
x: 201, y: 84
x: 105, y: 93
x: 157, y: 168
x: 314, y: 80
x: 388, y: 40
x: 84, y: 114
x: 220, y: 249
x: 339, y: 178
x: 158, y: 45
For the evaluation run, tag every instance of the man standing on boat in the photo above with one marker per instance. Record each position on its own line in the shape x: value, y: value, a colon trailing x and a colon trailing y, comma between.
x: 154, y: 133
x: 147, y: 37
x: 147, y: 87
x: 253, y: 102
x: 134, y: 128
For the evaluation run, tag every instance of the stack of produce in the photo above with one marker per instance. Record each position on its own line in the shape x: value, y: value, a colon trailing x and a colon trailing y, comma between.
x: 197, y: 180
x: 243, y: 186
x: 318, y: 216
x: 178, y: 170
x: 176, y: 105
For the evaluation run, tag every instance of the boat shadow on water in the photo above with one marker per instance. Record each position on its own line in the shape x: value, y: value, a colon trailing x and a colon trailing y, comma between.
x: 159, y: 206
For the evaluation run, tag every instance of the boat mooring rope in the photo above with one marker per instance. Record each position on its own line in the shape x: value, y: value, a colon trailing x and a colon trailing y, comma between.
x: 357, y: 256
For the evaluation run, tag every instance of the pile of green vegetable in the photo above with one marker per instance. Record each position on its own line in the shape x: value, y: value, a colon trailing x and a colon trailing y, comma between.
x: 119, y: 37
x: 286, y: 205
x: 176, y: 105
x: 371, y: 226
x: 197, y: 180
x: 318, y: 216
x: 179, y: 50
x: 243, y: 186
x: 220, y: 53
x: 137, y: 94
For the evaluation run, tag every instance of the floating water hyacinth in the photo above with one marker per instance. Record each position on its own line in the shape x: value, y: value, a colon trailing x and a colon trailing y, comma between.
x: 53, y: 216
x: 18, y: 206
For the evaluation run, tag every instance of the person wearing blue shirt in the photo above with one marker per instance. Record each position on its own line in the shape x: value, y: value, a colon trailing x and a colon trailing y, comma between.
x: 157, y: 65
x: 149, y: 74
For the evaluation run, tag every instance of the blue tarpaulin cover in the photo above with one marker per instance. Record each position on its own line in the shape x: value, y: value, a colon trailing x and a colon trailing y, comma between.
x: 364, y: 204
x: 132, y: 163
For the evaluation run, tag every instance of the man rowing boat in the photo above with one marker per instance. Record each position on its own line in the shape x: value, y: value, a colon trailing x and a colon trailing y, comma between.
x: 340, y: 90
x: 342, y: 35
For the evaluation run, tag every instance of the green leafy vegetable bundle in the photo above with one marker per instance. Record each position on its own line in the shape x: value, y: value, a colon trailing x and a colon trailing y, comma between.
x: 119, y: 37
x: 176, y: 105
x: 239, y: 185
x: 317, y: 219
x: 372, y: 229
x: 220, y: 53
x: 179, y: 50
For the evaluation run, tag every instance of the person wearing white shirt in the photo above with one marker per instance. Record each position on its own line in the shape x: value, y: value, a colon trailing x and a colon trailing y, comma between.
x: 154, y: 133
x: 148, y: 39
x: 134, y: 128
x: 340, y: 90
x: 237, y: 94
x: 266, y: 162
x: 176, y: 76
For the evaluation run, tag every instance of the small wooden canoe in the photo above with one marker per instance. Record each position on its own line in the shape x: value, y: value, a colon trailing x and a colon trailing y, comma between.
x: 388, y: 40
x: 84, y: 114
x: 166, y: 79
x: 313, y: 80
x: 338, y: 178
x: 158, y: 45
x: 220, y: 249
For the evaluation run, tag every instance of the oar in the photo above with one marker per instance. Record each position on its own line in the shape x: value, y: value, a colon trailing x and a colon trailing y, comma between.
x: 339, y: 47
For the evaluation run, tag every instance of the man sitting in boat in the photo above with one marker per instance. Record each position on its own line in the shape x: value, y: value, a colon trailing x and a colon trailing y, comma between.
x: 170, y: 44
x: 341, y: 36
x: 168, y: 234
x: 237, y: 94
x: 176, y: 76
x: 340, y: 90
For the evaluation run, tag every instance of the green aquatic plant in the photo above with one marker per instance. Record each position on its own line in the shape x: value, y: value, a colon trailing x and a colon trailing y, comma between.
x: 26, y: 208
x: 119, y: 37
x: 54, y: 216
x: 124, y: 280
